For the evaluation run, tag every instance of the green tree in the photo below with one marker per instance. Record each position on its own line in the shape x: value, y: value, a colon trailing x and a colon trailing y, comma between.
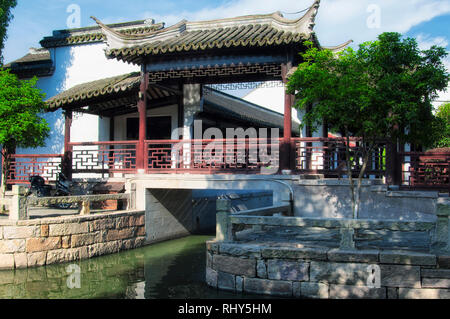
x: 442, y: 126
x: 5, y: 18
x: 383, y: 90
x: 20, y: 124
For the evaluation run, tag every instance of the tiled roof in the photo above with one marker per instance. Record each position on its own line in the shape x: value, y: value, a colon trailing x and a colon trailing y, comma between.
x: 36, y: 62
x: 94, y: 34
x: 254, y: 31
x: 242, y: 36
x: 214, y: 102
x: 83, y: 93
x: 35, y: 55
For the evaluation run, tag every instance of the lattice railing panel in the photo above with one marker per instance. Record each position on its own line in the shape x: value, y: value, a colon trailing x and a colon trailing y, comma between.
x: 103, y: 157
x: 212, y: 155
x: 426, y: 170
x: 21, y: 167
x: 327, y: 156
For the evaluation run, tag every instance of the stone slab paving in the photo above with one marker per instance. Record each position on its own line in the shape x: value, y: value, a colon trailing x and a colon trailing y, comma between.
x: 291, y: 263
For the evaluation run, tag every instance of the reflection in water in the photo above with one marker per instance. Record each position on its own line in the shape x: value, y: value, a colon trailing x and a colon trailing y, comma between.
x: 173, y: 269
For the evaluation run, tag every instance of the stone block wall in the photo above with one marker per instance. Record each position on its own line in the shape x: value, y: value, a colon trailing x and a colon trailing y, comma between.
x: 45, y: 241
x: 204, y: 205
x: 330, y: 198
x: 326, y: 273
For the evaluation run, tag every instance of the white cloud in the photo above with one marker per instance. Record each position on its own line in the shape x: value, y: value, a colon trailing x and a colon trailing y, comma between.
x: 425, y: 41
x: 340, y: 20
x: 337, y: 20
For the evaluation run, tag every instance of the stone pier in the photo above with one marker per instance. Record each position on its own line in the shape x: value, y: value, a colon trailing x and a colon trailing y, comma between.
x: 318, y: 272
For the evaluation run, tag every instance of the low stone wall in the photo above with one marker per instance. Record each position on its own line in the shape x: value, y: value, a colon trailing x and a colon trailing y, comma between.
x: 330, y: 198
x: 30, y: 243
x: 325, y: 272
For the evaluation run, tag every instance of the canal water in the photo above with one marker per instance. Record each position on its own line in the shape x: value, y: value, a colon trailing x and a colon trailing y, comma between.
x: 172, y: 269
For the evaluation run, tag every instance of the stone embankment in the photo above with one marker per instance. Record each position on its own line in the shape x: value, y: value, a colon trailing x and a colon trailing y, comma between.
x: 44, y: 241
x: 316, y: 272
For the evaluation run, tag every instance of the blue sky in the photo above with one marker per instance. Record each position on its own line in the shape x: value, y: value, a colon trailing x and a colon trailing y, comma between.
x: 337, y: 20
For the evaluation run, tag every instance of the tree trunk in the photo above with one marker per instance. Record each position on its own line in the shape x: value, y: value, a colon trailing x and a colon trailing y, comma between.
x: 3, y: 178
x: 6, y: 159
x: 366, y: 153
x: 349, y: 173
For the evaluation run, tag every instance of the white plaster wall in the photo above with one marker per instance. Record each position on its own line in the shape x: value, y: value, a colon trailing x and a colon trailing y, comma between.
x: 76, y: 65
x: 271, y: 98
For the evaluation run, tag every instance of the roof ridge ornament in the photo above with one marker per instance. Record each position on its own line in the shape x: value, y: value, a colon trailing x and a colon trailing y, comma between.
x: 116, y: 39
x: 183, y: 36
x: 312, y: 12
x: 311, y: 15
x: 338, y: 48
x: 33, y: 50
x: 107, y: 29
x: 305, y: 24
x: 149, y: 22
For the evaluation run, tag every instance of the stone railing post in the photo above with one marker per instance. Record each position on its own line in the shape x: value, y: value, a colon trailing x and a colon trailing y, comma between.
x: 132, y: 201
x: 130, y: 188
x: 347, y: 238
x: 18, y: 207
x: 223, y: 226
x: 441, y: 237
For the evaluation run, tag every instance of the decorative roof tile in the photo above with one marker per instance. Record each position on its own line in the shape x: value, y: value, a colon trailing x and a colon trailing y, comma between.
x: 94, y: 34
x: 34, y: 55
x: 253, y: 31
x: 83, y: 93
x: 37, y: 62
x: 103, y: 91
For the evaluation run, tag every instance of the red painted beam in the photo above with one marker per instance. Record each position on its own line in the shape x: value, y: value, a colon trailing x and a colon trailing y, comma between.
x: 142, y: 110
x: 66, y: 165
x: 67, y: 125
x: 286, y: 160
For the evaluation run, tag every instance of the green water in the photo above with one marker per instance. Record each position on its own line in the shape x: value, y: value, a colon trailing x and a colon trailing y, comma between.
x: 173, y: 269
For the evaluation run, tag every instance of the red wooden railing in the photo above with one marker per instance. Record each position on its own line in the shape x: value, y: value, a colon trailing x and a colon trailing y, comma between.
x: 21, y: 167
x: 229, y: 156
x: 327, y: 156
x: 426, y: 170
x: 104, y: 157
x: 250, y: 156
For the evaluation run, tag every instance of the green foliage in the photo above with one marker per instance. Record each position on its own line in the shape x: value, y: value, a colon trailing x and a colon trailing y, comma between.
x: 442, y: 126
x: 382, y: 90
x: 20, y: 105
x: 5, y: 18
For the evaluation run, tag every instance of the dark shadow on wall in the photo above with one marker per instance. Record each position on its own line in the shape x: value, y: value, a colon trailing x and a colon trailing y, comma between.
x: 194, y: 211
x: 170, y: 213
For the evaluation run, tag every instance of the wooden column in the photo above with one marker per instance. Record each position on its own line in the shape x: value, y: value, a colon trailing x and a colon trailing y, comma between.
x: 180, y: 108
x: 67, y: 126
x: 286, y: 149
x: 142, y: 110
x: 67, y: 160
